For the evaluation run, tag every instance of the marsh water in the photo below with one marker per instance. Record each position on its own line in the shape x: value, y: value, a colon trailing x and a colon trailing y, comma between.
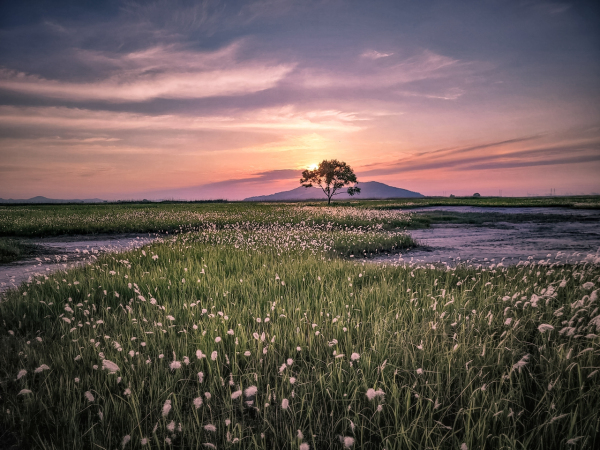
x: 62, y: 253
x: 483, y: 236
x: 507, y: 236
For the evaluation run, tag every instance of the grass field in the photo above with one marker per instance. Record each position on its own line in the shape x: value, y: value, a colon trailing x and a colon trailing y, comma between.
x: 52, y: 220
x: 174, y: 218
x: 261, y: 333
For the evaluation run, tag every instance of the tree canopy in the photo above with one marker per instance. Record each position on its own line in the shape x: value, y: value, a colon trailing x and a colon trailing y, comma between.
x: 331, y: 176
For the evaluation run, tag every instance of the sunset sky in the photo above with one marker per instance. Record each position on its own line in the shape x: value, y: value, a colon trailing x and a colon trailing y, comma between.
x: 226, y: 99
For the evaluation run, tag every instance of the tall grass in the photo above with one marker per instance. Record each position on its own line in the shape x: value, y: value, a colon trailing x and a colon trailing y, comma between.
x: 338, y: 353
x: 14, y: 249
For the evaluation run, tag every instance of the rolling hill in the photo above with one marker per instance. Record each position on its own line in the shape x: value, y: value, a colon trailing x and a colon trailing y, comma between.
x: 369, y: 190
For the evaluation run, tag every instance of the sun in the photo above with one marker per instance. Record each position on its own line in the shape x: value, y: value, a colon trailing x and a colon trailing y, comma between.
x: 313, y: 166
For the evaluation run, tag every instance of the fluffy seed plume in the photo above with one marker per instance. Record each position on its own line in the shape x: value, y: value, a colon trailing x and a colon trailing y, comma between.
x: 42, y: 368
x: 522, y: 363
x: 250, y: 391
x: 166, y: 408
x: 236, y: 394
x: 110, y: 366
x: 347, y: 441
x: 372, y: 393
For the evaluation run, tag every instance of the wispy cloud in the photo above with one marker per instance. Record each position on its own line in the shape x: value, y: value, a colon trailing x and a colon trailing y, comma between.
x: 256, y: 178
x: 450, y: 94
x: 281, y: 118
x: 374, y: 54
x: 499, y: 155
x: 424, y: 65
x: 233, y: 188
x: 158, y: 72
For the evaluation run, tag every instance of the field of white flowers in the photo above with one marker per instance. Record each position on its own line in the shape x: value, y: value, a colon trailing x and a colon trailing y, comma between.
x: 139, y: 218
x: 276, y: 336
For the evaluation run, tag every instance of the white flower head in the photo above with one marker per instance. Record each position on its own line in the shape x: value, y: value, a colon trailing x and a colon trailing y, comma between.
x: 110, y: 366
x: 41, y: 368
x: 250, y: 391
x: 236, y: 394
x: 166, y: 408
x: 347, y: 441
x: 372, y: 393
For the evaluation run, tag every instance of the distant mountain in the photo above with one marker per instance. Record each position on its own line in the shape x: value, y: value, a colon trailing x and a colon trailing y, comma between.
x: 368, y: 190
x: 40, y: 199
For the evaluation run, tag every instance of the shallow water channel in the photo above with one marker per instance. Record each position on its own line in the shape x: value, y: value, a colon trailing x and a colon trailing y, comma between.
x: 571, y: 236
x: 62, y: 253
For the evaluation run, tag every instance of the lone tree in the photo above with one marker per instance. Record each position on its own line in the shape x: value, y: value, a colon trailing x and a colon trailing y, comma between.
x: 331, y: 176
